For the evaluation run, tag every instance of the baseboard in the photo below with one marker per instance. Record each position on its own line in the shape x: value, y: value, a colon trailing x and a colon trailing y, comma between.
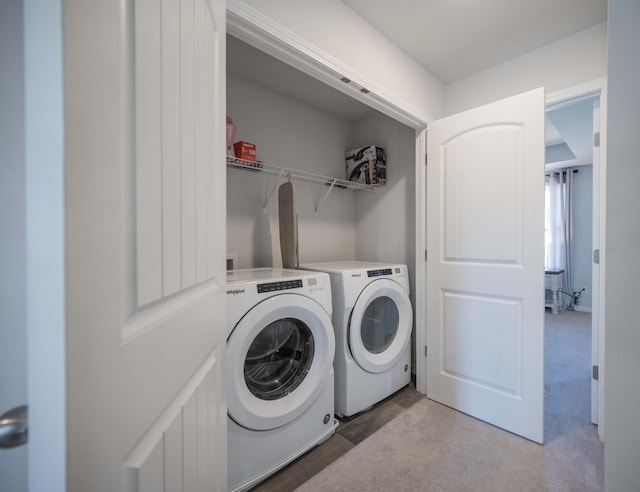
x: 582, y: 309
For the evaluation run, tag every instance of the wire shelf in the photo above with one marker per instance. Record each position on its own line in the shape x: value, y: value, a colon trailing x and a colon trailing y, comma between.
x: 256, y: 166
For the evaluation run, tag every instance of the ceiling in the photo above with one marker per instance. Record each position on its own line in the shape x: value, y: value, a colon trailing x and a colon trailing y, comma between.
x: 568, y: 134
x: 453, y: 39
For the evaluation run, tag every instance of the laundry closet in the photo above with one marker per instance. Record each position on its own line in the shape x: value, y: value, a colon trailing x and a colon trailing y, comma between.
x: 297, y: 122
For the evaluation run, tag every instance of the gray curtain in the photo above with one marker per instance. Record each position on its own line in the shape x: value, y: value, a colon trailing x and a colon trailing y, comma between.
x: 559, y: 228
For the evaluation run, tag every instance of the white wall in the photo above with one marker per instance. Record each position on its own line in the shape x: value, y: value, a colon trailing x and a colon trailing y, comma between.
x: 293, y: 135
x: 573, y: 60
x: 622, y: 341
x: 13, y: 332
x: 582, y: 234
x: 385, y: 220
x: 334, y: 28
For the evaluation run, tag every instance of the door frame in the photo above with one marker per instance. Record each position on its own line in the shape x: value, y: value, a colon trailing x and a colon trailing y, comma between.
x: 597, y: 87
x: 45, y: 239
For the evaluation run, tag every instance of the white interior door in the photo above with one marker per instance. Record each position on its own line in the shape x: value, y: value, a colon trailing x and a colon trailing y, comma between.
x: 485, y: 272
x: 145, y: 185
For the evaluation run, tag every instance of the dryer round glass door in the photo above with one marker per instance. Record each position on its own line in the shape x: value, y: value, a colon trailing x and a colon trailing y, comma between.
x: 380, y: 325
x: 279, y: 358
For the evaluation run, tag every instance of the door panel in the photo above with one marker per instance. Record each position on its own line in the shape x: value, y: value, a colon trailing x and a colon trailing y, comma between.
x: 485, y: 275
x: 168, y: 454
x: 482, y: 209
x: 173, y: 185
x: 471, y: 324
x: 145, y: 242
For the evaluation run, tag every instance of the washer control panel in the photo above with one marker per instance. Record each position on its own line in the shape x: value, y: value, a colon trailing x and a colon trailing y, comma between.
x: 379, y: 273
x: 276, y: 286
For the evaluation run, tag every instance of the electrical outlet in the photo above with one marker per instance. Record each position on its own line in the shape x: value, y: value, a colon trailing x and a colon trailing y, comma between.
x: 232, y: 261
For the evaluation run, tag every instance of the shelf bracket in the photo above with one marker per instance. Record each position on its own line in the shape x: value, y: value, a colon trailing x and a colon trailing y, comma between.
x: 333, y: 182
x: 273, y: 190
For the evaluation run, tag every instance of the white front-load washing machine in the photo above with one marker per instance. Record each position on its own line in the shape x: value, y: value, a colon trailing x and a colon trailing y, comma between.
x: 280, y: 384
x: 373, y: 319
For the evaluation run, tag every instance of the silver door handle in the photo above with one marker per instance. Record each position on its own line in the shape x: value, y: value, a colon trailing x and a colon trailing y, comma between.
x: 13, y: 427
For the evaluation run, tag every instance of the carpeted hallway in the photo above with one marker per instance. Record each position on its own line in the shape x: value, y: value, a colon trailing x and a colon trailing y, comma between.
x: 430, y: 447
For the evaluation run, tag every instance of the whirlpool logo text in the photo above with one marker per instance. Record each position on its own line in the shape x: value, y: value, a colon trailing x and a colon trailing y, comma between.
x: 235, y: 292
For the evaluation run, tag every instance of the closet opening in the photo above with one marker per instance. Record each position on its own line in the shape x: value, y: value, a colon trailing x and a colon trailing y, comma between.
x: 298, y: 122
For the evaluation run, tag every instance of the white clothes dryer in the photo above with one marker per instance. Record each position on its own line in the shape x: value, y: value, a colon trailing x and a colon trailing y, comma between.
x: 280, y: 380
x: 373, y: 319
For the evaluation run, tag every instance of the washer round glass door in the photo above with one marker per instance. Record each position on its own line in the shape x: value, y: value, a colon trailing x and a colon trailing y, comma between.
x: 279, y: 358
x: 380, y: 325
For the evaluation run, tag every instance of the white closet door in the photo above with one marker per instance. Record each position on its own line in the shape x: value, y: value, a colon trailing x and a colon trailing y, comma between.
x: 145, y: 244
x: 485, y: 273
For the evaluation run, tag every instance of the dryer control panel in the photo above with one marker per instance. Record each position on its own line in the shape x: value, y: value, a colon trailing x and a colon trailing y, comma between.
x: 379, y: 273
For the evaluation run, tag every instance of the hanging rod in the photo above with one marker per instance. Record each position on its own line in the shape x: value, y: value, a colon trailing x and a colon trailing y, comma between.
x: 256, y: 166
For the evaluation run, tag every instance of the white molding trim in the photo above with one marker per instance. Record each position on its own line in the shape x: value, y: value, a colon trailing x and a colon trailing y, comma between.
x: 569, y: 95
x: 421, y: 264
x: 149, y: 317
x: 258, y: 30
x: 603, y: 258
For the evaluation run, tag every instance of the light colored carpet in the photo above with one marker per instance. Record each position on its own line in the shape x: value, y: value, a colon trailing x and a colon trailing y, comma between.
x: 430, y: 447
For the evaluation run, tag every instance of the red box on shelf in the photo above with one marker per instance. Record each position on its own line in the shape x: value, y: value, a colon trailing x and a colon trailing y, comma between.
x: 245, y: 150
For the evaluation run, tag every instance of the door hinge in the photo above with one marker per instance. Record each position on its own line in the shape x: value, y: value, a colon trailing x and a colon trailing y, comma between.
x: 425, y: 350
x: 596, y: 139
x: 426, y: 159
x: 594, y: 373
x: 596, y: 256
x: 425, y: 255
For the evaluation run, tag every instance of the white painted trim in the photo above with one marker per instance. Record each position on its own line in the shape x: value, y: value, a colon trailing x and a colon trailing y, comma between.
x: 45, y: 255
x: 421, y: 264
x: 603, y: 260
x: 258, y: 30
x: 595, y: 270
x: 569, y: 95
x: 150, y: 317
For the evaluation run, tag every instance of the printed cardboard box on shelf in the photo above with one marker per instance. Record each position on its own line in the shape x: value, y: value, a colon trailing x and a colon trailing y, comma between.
x: 245, y: 150
x: 367, y: 165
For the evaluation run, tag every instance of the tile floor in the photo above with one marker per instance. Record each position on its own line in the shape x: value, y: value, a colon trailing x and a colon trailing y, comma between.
x: 349, y: 433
